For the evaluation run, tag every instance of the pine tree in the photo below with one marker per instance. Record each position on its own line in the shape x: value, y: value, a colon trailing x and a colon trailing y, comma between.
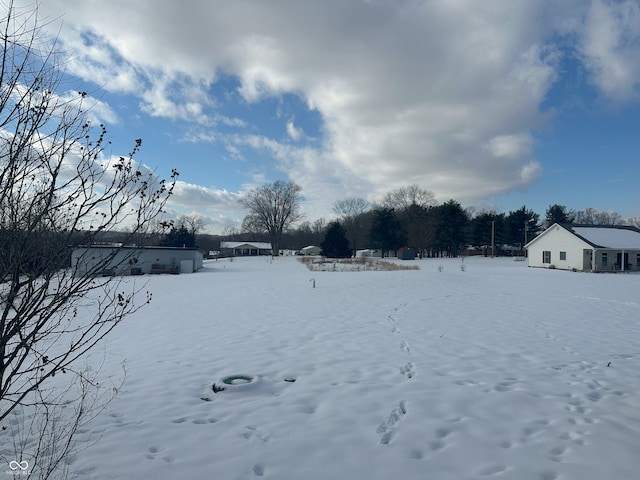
x: 336, y: 244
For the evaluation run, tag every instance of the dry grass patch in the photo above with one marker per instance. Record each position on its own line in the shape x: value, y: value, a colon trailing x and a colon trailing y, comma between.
x: 323, y: 264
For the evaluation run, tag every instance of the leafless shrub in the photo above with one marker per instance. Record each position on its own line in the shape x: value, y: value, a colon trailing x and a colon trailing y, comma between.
x: 59, y: 187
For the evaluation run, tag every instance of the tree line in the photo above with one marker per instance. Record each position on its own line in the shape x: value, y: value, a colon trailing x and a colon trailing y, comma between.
x: 408, y: 216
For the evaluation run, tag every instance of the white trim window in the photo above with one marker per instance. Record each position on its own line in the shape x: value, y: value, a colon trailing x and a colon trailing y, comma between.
x: 546, y: 256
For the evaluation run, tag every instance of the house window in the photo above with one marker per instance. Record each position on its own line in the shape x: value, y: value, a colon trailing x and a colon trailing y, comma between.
x: 563, y: 255
x: 546, y: 256
x: 638, y: 260
x: 605, y: 260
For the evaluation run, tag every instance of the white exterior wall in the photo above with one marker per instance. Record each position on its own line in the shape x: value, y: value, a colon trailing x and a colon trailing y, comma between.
x: 85, y: 259
x: 555, y: 240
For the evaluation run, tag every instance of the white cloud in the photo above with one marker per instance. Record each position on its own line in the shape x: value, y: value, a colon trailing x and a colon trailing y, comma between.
x: 611, y: 47
x: 294, y: 132
x: 443, y: 94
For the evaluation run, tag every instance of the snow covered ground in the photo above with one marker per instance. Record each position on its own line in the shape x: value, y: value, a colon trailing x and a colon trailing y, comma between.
x: 498, y: 371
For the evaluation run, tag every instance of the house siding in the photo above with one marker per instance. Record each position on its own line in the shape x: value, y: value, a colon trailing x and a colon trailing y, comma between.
x: 557, y: 240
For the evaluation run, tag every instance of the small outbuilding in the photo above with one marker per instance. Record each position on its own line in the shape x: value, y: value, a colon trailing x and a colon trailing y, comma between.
x: 593, y: 248
x: 115, y: 259
x: 368, y: 252
x: 310, y: 250
x: 405, y: 253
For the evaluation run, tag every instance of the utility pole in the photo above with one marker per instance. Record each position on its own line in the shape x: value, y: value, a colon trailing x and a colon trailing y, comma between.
x: 493, y: 238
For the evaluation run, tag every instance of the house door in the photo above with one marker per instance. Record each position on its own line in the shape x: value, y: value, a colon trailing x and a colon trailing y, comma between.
x: 625, y: 265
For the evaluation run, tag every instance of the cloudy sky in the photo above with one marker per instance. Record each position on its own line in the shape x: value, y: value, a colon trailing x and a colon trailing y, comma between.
x: 496, y: 104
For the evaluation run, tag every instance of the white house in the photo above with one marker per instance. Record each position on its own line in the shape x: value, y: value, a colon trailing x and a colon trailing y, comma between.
x: 595, y: 248
x: 242, y: 249
x: 133, y: 260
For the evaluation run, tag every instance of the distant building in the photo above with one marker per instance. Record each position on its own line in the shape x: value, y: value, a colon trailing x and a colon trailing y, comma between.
x: 116, y: 259
x: 368, y: 252
x: 244, y: 249
x: 310, y: 250
x: 405, y: 253
x: 594, y: 248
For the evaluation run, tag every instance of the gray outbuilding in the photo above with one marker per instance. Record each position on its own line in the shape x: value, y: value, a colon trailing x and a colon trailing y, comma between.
x: 114, y: 259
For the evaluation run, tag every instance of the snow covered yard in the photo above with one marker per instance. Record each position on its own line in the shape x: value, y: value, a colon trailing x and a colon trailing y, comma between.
x: 497, y: 371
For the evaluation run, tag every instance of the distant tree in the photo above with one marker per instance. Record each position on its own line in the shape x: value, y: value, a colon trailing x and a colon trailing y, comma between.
x: 386, y: 232
x: 194, y: 223
x: 483, y: 227
x: 522, y: 226
x: 336, y: 244
x: 319, y: 229
x: 558, y: 214
x: 402, y: 198
x: 420, y: 224
x: 179, y: 237
x: 632, y: 221
x: 232, y: 233
x: 302, y: 236
x: 451, y: 228
x: 252, y: 228
x: 273, y: 207
x: 351, y: 212
x: 593, y: 216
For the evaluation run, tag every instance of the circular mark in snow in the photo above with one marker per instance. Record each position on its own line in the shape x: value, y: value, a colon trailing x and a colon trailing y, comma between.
x: 237, y: 380
x: 232, y: 382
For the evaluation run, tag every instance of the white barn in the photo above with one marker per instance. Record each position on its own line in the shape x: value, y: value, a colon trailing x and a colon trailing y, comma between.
x: 594, y: 248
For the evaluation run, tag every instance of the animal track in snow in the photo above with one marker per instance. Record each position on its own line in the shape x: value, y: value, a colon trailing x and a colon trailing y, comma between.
x: 153, y: 452
x: 405, y: 347
x: 258, y: 470
x: 202, y: 421
x: 493, y: 470
x: 409, y: 370
x: 386, y: 428
x: 253, y: 432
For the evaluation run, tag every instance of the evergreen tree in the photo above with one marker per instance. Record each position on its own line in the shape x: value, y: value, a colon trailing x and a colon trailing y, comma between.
x: 558, y: 214
x: 522, y: 225
x: 451, y: 228
x: 484, y: 228
x: 386, y: 232
x: 179, y: 237
x: 336, y: 244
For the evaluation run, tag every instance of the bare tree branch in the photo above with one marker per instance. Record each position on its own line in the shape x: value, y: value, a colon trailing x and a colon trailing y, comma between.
x: 58, y: 188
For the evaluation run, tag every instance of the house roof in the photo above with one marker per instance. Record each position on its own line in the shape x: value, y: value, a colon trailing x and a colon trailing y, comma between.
x: 608, y: 236
x: 134, y: 247
x: 602, y: 236
x: 260, y: 245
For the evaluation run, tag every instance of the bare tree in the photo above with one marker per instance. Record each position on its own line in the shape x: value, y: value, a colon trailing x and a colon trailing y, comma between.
x: 273, y: 207
x: 319, y: 228
x: 593, y: 216
x: 632, y: 221
x: 402, y: 198
x: 351, y: 210
x: 58, y: 187
x: 194, y: 223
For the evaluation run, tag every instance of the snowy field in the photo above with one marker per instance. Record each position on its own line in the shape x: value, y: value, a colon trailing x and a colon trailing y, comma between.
x: 498, y: 371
